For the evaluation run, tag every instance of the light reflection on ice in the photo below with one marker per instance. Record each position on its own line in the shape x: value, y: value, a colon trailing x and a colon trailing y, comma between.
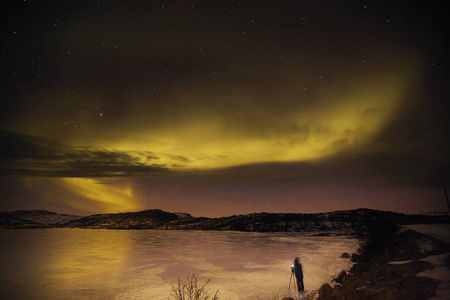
x: 142, y: 264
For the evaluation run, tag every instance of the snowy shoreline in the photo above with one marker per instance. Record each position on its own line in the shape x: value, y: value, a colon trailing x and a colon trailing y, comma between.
x: 414, y: 265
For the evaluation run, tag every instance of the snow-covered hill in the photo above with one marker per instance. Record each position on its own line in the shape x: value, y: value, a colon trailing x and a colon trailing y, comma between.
x: 147, y: 219
x: 22, y: 217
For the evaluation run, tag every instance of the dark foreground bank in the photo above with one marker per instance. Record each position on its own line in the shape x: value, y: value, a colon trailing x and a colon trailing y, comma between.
x: 390, y: 271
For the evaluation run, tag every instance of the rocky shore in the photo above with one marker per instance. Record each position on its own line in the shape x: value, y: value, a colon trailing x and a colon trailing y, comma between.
x: 404, y: 267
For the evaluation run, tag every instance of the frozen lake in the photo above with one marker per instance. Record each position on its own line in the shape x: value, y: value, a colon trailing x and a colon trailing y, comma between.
x: 143, y: 264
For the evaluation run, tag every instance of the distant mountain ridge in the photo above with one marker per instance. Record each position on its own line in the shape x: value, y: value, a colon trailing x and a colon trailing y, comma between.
x: 45, y: 217
x: 147, y: 219
x: 257, y: 222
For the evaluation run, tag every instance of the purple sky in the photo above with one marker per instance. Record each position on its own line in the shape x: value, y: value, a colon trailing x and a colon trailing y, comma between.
x: 224, y: 108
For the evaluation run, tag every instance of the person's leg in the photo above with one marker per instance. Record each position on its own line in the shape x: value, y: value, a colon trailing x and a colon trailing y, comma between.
x: 299, y: 283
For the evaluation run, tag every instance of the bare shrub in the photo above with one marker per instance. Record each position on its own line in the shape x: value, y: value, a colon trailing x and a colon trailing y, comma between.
x: 191, y: 289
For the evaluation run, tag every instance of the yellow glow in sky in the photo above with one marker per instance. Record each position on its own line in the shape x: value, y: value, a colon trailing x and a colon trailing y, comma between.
x: 339, y: 122
x: 112, y: 196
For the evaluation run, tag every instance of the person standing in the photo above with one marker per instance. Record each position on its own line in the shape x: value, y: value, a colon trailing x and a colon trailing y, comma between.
x: 298, y: 272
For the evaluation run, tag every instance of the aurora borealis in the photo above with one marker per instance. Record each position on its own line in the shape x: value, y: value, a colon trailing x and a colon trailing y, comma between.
x: 224, y: 107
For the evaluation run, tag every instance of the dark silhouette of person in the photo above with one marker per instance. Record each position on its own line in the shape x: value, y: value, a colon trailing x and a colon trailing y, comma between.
x: 298, y: 272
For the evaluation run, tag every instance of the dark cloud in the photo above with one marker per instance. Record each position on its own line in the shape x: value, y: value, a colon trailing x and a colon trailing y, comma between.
x: 25, y: 155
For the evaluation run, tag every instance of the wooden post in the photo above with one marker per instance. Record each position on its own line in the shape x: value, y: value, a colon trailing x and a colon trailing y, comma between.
x: 446, y: 196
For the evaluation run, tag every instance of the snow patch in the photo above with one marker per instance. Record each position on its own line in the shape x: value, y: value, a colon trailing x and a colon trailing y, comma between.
x: 440, y: 272
x: 402, y: 262
x: 182, y: 215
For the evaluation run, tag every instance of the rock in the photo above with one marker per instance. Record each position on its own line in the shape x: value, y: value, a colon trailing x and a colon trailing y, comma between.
x: 339, y: 295
x: 345, y: 255
x: 380, y: 273
x: 325, y: 291
x: 447, y: 262
x: 355, y: 257
x: 341, y: 277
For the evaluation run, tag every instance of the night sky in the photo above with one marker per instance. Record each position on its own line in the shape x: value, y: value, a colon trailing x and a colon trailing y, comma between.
x: 224, y: 107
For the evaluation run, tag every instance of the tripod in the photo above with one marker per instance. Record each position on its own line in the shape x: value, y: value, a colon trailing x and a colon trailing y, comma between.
x: 290, y: 280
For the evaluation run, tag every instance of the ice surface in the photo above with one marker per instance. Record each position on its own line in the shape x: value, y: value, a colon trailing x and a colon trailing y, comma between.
x: 143, y: 264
